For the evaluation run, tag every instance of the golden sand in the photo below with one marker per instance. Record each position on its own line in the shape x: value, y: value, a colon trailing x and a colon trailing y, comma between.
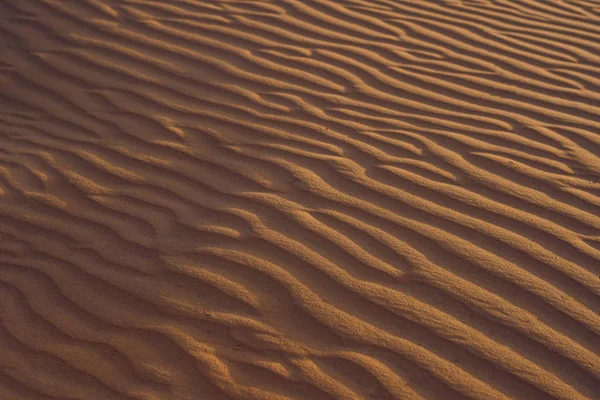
x: 299, y: 199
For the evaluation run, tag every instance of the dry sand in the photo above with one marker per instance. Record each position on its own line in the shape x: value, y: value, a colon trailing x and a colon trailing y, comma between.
x: 300, y: 199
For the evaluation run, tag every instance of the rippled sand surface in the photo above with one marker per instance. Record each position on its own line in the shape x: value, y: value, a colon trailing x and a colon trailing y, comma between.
x: 299, y: 199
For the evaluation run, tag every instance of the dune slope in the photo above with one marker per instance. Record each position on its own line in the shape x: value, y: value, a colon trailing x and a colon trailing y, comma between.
x: 290, y: 199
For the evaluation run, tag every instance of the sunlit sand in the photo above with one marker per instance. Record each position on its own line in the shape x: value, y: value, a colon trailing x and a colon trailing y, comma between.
x: 300, y: 199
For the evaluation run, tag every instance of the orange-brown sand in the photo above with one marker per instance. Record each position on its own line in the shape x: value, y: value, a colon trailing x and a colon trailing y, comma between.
x: 299, y: 199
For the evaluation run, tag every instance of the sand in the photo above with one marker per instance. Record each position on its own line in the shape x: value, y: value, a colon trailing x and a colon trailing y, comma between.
x: 299, y: 199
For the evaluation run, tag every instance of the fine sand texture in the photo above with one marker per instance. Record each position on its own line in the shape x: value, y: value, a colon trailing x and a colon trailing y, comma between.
x: 299, y: 199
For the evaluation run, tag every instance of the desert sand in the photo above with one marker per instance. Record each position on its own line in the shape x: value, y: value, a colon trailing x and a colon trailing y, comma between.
x: 299, y: 199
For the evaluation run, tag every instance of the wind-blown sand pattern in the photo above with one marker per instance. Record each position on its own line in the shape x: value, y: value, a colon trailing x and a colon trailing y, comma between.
x: 300, y: 199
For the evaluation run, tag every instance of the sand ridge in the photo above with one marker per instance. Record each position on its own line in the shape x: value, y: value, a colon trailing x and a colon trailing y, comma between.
x: 285, y: 199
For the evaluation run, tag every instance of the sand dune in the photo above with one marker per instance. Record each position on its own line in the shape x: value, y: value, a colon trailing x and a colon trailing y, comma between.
x: 288, y: 199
